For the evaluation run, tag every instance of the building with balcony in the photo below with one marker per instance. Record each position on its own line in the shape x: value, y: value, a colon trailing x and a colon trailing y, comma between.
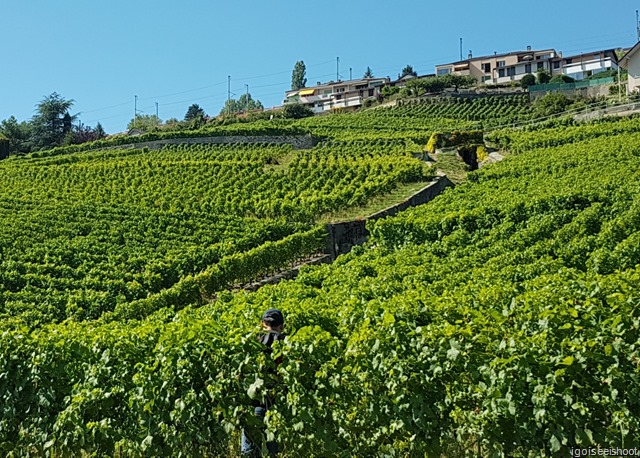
x: 504, y: 68
x: 337, y: 95
x: 582, y: 66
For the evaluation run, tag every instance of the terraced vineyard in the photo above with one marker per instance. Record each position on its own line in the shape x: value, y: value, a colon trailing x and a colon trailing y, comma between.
x: 416, y: 120
x: 88, y: 233
x: 501, y: 319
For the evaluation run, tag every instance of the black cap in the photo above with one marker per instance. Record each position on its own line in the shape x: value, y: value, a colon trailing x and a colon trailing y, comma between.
x: 273, y: 317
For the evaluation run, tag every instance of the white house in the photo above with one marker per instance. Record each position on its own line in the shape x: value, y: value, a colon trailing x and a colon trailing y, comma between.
x: 631, y: 62
x: 582, y: 66
x: 336, y: 95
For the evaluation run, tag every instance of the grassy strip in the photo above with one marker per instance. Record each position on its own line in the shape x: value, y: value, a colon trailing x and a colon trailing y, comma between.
x: 376, y: 204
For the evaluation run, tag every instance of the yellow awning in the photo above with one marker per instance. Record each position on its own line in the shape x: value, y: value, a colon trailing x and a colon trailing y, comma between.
x: 307, y: 91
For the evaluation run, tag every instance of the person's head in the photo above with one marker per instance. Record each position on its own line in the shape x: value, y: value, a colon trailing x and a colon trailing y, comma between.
x: 273, y: 320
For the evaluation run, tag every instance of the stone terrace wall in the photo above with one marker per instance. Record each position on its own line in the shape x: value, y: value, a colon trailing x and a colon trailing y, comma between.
x: 298, y: 142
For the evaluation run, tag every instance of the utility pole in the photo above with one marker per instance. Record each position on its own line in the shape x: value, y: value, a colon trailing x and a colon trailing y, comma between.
x: 350, y: 73
x: 135, y: 110
x: 246, y: 102
x: 337, y: 69
x: 228, y: 93
x: 637, y: 26
x: 460, y: 48
x: 157, y: 111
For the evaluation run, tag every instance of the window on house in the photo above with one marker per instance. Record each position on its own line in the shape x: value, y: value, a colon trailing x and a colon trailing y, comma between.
x: 444, y: 71
x: 501, y: 72
x: 556, y: 64
x: 501, y: 63
x: 339, y: 97
x: 568, y: 61
x: 370, y: 92
x: 487, y: 68
x: 511, y: 71
x: 540, y: 65
x: 527, y: 68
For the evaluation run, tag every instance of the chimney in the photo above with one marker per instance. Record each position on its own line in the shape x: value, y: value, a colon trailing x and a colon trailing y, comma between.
x: 529, y: 48
x: 495, y: 53
x: 470, y: 54
x: 318, y: 83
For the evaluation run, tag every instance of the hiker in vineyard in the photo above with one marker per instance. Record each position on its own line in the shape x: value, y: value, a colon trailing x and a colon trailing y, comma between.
x: 273, y: 325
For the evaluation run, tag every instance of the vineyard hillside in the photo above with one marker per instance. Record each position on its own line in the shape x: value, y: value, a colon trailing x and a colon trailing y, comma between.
x: 500, y: 319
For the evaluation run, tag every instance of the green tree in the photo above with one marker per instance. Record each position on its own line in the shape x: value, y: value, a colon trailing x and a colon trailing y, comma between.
x: 561, y: 79
x: 528, y: 80
x: 408, y: 70
x: 194, y: 112
x: 18, y: 134
x: 4, y: 147
x: 368, y: 73
x: 99, y: 131
x: 51, y: 122
x: 298, y: 77
x: 81, y: 134
x: 244, y: 103
x: 144, y: 122
x: 247, y: 103
x: 296, y: 111
x: 552, y: 103
x: 543, y: 76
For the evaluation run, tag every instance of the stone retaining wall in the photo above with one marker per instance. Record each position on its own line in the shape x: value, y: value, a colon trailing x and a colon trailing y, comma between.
x: 298, y: 142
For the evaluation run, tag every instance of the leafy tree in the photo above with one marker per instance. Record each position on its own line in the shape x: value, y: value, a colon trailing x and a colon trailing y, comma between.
x: 298, y: 77
x: 296, y: 111
x: 82, y: 134
x: 551, y: 103
x: 4, y: 147
x: 18, y: 134
x: 244, y: 103
x: 561, y: 79
x: 368, y: 73
x: 144, y: 122
x: 100, y: 133
x: 194, y: 112
x: 51, y: 122
x: 247, y: 103
x: 419, y: 86
x: 408, y: 70
x: 528, y: 80
x: 543, y: 76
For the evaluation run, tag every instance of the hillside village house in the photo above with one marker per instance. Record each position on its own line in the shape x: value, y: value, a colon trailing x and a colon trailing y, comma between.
x: 631, y: 62
x: 504, y: 68
x: 512, y: 66
x: 334, y: 95
x: 585, y: 65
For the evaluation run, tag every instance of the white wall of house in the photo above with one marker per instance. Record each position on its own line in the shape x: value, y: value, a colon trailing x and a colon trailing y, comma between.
x: 515, y: 73
x: 634, y: 73
x: 581, y: 70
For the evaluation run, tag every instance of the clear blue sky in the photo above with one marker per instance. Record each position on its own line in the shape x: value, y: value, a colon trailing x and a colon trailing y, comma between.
x: 176, y: 53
